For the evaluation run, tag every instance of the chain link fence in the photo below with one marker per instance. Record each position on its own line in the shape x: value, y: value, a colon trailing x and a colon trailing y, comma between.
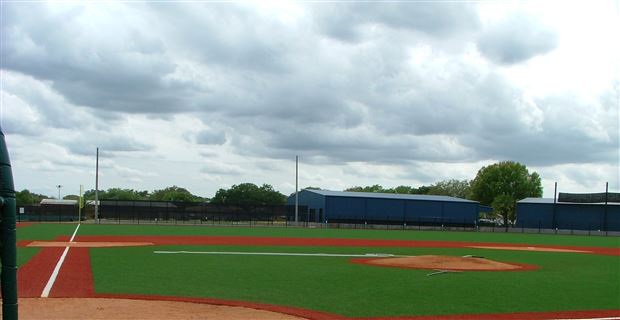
x: 198, y: 213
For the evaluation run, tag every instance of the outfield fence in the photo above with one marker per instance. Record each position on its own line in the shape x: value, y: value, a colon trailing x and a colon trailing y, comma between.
x: 111, y: 211
x: 196, y: 213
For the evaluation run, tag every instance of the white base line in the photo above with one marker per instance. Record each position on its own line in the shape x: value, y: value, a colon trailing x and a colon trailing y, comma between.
x: 52, y: 279
x: 378, y: 255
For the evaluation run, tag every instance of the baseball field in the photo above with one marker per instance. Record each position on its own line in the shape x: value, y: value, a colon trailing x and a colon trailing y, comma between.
x: 154, y: 271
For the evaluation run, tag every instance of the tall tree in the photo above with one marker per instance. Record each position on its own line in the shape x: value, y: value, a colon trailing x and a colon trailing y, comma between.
x: 25, y: 197
x: 249, y: 194
x: 117, y: 194
x: 124, y: 194
x: 452, y: 187
x: 500, y: 185
x: 174, y: 193
x: 373, y: 188
x: 403, y: 190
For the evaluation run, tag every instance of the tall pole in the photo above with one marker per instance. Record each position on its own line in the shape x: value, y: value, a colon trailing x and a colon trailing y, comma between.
x: 296, y: 188
x: 555, y: 192
x: 8, y: 248
x: 605, y: 216
x: 80, y: 204
x: 97, y: 188
x: 59, y: 186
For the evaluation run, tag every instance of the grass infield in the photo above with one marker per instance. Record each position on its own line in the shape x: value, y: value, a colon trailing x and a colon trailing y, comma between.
x: 564, y: 281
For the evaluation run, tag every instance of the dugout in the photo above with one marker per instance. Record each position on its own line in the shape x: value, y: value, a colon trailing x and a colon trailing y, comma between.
x: 544, y: 213
x: 387, y: 208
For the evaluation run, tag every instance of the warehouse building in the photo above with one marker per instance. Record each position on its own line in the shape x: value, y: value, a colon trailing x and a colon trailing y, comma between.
x: 387, y: 208
x: 544, y: 213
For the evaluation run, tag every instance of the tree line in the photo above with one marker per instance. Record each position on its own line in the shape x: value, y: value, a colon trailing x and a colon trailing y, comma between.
x: 499, y: 185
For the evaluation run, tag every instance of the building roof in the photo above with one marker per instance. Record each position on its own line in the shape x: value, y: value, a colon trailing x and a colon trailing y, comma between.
x: 56, y: 201
x: 550, y: 201
x: 377, y: 195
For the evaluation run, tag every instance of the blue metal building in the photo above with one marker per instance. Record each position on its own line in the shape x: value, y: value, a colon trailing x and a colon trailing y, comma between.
x: 389, y: 208
x: 544, y: 214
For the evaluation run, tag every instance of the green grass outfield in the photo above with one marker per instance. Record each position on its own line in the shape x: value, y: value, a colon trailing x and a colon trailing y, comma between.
x: 564, y: 281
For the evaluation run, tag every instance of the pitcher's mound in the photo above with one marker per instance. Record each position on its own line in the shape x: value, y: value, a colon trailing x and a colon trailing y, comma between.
x: 445, y: 263
x: 92, y: 308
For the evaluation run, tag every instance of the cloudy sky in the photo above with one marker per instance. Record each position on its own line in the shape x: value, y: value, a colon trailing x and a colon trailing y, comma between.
x: 207, y: 95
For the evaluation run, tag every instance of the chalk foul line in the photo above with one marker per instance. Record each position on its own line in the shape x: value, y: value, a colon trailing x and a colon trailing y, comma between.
x: 52, y: 279
x: 366, y: 255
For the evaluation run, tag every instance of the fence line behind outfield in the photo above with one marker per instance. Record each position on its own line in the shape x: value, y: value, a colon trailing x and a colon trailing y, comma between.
x: 189, y: 213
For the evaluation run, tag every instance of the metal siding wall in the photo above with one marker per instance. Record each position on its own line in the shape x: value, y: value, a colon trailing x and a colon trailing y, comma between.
x: 582, y: 217
x: 423, y: 211
x: 384, y: 209
x: 460, y: 212
x: 613, y: 218
x: 345, y: 208
x: 568, y: 216
x: 535, y: 215
x: 310, y: 199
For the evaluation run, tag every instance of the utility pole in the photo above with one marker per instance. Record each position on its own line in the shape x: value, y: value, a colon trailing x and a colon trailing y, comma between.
x: 97, y: 188
x: 605, y: 214
x: 296, y: 188
x: 59, y: 186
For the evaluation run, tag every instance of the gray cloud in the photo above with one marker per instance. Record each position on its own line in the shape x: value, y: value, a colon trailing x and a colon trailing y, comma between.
x: 338, y: 84
x: 210, y: 137
x: 345, y: 21
x: 517, y: 38
x: 109, y: 143
x: 116, y: 67
x: 219, y: 168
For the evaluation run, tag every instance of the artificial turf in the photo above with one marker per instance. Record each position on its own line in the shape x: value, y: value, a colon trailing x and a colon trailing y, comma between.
x: 39, y: 231
x: 564, y: 281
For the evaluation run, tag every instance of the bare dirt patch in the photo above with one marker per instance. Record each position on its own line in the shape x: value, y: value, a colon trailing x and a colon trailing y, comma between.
x: 443, y: 263
x: 96, y: 308
x: 93, y: 244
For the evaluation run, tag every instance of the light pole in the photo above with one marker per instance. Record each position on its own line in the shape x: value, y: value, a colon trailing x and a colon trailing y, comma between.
x: 296, y: 189
x: 59, y: 186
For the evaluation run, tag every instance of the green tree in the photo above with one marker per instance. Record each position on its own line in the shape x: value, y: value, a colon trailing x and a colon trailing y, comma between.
x: 421, y: 190
x: 502, y: 184
x: 174, y: 193
x: 125, y: 194
x: 71, y: 197
x: 25, y: 197
x: 373, y: 188
x: 452, y: 187
x: 402, y: 190
x: 90, y: 194
x: 117, y: 194
x: 249, y: 194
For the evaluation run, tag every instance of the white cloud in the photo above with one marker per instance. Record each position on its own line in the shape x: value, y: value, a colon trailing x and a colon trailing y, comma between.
x: 207, y: 95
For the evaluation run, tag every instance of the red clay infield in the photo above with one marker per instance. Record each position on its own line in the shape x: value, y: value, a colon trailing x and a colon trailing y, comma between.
x: 331, y: 242
x: 76, y: 280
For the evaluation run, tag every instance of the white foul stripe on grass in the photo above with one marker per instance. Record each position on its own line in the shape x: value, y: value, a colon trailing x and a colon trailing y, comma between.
x: 52, y: 279
x: 366, y: 255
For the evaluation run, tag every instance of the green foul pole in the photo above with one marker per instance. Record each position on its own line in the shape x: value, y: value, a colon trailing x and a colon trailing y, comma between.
x: 8, y: 254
